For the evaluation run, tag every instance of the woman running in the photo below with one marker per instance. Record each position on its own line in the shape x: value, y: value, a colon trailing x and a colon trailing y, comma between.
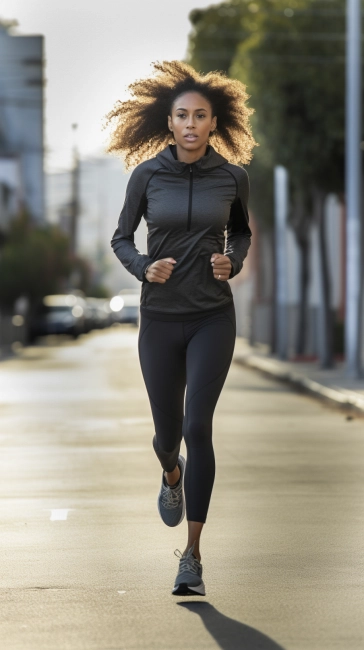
x: 193, y: 197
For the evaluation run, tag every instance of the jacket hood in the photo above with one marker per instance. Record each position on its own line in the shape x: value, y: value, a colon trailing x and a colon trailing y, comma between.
x: 168, y: 158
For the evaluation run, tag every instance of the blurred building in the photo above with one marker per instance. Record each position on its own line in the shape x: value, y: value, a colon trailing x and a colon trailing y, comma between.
x: 102, y: 185
x: 254, y: 288
x: 10, y: 190
x: 21, y: 126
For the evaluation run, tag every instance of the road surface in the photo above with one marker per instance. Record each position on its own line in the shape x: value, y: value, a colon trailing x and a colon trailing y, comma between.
x: 86, y: 562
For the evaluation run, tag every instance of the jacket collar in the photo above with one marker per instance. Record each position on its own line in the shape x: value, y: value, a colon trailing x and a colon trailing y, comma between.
x: 168, y: 158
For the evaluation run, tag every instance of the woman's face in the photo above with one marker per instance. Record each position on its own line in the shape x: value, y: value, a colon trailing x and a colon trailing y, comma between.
x: 191, y: 121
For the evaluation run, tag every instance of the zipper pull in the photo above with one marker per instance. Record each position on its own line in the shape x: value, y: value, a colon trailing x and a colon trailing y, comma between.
x: 190, y: 169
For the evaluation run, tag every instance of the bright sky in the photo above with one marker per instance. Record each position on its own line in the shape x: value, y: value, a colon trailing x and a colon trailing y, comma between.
x: 93, y: 50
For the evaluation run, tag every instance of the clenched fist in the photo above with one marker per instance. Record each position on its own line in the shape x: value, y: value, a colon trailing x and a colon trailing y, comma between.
x: 161, y: 270
x: 221, y: 266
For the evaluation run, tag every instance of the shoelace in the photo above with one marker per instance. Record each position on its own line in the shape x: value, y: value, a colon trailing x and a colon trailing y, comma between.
x: 171, y: 498
x: 187, y: 562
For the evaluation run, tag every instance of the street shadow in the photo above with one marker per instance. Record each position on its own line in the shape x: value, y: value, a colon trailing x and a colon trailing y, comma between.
x: 228, y: 633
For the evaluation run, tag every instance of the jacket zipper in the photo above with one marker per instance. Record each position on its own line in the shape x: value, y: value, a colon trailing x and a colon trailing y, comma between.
x: 190, y: 200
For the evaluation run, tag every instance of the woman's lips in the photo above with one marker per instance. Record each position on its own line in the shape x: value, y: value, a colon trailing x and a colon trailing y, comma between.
x: 191, y: 137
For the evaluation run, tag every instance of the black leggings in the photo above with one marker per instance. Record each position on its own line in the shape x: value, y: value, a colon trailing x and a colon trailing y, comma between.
x: 198, y: 354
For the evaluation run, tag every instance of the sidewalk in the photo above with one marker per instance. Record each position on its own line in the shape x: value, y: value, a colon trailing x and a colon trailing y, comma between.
x: 331, y: 386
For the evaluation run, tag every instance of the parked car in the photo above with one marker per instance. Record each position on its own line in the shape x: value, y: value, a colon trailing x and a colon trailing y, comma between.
x: 125, y: 306
x: 59, y: 314
x: 98, y: 313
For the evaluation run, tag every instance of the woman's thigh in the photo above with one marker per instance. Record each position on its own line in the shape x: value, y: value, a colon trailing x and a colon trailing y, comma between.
x: 209, y: 353
x: 163, y: 363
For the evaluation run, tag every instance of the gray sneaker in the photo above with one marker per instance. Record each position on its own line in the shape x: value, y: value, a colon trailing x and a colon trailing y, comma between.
x: 189, y: 578
x: 171, y: 501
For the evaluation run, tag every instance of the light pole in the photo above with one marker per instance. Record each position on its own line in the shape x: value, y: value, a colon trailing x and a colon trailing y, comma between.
x: 75, y: 196
x: 281, y: 271
x: 353, y: 189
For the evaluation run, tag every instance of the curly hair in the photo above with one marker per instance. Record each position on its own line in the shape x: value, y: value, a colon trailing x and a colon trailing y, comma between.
x: 140, y: 128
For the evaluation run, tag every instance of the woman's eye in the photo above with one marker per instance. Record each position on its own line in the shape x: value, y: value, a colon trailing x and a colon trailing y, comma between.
x: 183, y: 115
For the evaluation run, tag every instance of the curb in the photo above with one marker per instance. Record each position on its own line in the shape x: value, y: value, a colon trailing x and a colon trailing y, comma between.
x: 343, y: 399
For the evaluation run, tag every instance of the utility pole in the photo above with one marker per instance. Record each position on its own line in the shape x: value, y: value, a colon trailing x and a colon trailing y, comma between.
x: 353, y: 189
x: 75, y: 203
x: 281, y: 271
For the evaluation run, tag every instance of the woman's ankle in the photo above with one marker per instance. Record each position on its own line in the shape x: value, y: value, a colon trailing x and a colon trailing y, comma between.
x: 195, y: 553
x: 172, y: 478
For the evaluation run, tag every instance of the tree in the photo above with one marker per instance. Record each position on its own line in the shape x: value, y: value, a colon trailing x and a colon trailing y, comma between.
x: 36, y: 261
x: 292, y: 60
x: 216, y: 35
x: 296, y: 69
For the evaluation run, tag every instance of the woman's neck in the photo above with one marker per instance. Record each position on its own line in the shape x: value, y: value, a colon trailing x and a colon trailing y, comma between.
x: 189, y: 157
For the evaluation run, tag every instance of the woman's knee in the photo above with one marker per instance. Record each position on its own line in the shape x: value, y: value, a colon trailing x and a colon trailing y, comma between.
x: 198, y: 433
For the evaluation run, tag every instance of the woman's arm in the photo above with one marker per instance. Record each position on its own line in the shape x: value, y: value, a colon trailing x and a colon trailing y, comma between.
x: 134, y: 207
x: 238, y: 231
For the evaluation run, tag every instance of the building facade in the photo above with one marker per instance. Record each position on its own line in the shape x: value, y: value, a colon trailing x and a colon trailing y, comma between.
x: 101, y: 191
x: 21, y: 126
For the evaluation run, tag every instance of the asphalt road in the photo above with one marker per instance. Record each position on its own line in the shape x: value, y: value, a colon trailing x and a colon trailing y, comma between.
x: 86, y: 562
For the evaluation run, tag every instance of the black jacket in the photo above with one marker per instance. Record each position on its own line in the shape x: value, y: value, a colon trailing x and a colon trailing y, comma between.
x: 187, y: 209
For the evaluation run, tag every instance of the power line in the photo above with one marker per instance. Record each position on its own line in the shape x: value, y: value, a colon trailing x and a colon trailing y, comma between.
x: 292, y: 58
x: 273, y: 58
x: 280, y: 12
x: 313, y: 36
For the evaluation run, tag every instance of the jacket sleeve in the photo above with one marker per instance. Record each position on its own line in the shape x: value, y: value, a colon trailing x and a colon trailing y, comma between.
x: 238, y: 231
x: 133, y: 209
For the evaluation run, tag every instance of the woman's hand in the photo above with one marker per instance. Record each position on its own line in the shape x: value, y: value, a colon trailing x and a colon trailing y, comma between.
x: 221, y: 266
x: 161, y: 270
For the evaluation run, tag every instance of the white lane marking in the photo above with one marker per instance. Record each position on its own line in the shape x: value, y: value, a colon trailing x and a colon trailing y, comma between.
x: 59, y: 514
x: 121, y: 592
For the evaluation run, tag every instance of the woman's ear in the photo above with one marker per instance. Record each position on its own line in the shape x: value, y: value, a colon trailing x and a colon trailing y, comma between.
x: 213, y: 124
x: 170, y: 123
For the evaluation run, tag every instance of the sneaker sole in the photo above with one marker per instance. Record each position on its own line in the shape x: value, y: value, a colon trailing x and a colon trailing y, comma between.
x: 185, y: 590
x: 182, y: 462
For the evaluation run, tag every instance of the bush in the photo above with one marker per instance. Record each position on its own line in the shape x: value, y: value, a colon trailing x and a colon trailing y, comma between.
x: 36, y: 261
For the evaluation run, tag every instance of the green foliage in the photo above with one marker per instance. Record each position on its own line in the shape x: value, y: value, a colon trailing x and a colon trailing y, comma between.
x: 216, y: 33
x: 294, y: 67
x: 35, y: 261
x: 291, y: 56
